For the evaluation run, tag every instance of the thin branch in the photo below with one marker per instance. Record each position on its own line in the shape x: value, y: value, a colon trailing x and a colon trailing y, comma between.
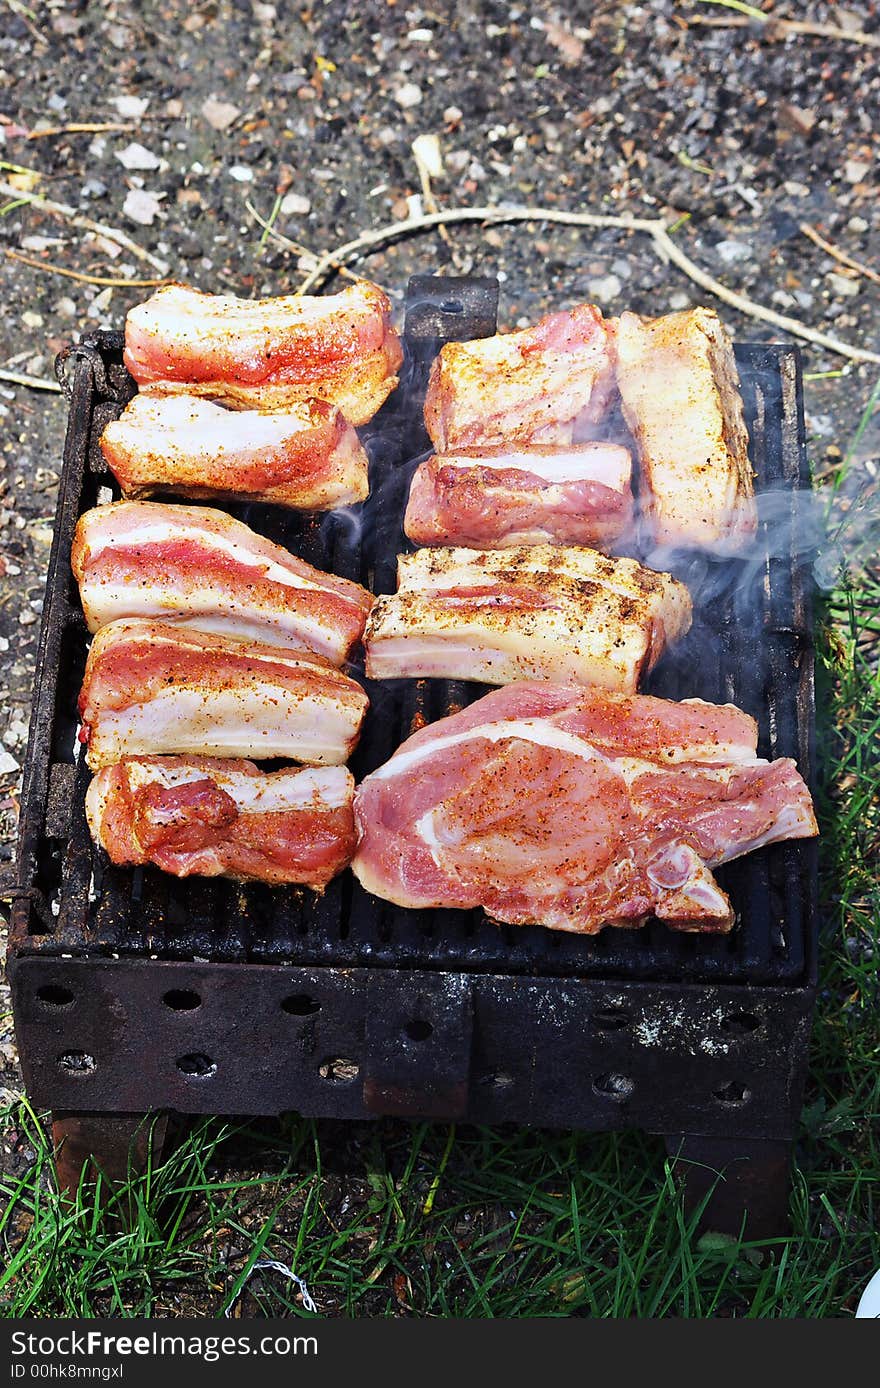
x: 51, y: 269
x: 393, y: 230
x: 17, y: 378
x: 272, y: 234
x: 667, y: 246
x: 835, y: 254
x: 779, y: 28
x: 655, y: 228
x: 79, y: 128
x: 70, y: 214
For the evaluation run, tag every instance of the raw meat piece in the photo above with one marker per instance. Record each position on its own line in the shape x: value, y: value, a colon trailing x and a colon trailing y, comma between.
x: 574, y: 808
x: 267, y: 354
x: 548, y: 612
x: 224, y: 818
x: 536, y: 385
x: 680, y: 392
x: 152, y: 688
x: 194, y: 566
x: 304, y: 456
x: 531, y: 495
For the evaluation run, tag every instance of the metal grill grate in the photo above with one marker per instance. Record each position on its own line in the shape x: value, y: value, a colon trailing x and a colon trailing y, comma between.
x: 757, y: 655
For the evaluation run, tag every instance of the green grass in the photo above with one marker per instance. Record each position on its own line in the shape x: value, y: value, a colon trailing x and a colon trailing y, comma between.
x: 395, y: 1220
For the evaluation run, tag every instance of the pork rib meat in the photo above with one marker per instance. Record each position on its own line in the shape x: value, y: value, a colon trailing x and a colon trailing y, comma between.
x: 194, y: 566
x: 305, y: 456
x: 540, y: 612
x: 575, y: 809
x: 267, y: 354
x: 151, y: 688
x: 198, y: 815
x: 530, y: 495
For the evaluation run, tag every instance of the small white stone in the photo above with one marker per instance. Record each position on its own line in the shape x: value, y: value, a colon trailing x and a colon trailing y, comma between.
x: 854, y: 170
x: 241, y: 173
x: 136, y: 156
x: 31, y: 319
x: 295, y: 205
x: 130, y: 107
x: 679, y: 301
x: 141, y: 206
x: 8, y: 764
x: 420, y: 35
x: 408, y: 95
x: 219, y: 114
x: 858, y: 225
x: 606, y: 289
x: 428, y: 154
x: 839, y: 284
x: 732, y: 251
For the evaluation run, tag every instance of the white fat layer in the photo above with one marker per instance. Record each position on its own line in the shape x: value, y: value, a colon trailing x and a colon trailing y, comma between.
x: 168, y: 531
x: 257, y: 722
x: 498, y: 657
x: 310, y: 788
x: 184, y: 312
x: 609, y: 465
x: 207, y: 609
x: 546, y: 734
x: 199, y: 426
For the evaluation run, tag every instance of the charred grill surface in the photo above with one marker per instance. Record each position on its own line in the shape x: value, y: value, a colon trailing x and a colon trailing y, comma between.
x: 750, y: 645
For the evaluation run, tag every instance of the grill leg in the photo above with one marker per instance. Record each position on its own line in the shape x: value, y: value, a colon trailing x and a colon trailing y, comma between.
x: 118, y: 1144
x: 748, y: 1179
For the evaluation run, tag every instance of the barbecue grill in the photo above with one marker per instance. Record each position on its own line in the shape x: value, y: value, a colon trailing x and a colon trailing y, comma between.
x: 138, y: 993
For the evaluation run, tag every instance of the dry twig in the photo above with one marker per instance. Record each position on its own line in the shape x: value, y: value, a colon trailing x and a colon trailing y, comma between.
x: 18, y: 378
x: 296, y: 246
x: 70, y: 214
x: 835, y: 254
x: 655, y: 228
x: 51, y: 269
x: 777, y: 28
x: 79, y: 128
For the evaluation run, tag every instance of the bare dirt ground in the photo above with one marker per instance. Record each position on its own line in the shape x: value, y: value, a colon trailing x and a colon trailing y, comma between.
x: 668, y: 108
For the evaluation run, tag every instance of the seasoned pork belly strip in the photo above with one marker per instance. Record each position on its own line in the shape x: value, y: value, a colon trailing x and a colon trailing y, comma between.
x: 494, y: 499
x: 154, y: 688
x: 194, y: 566
x: 546, y: 612
x: 574, y: 809
x: 680, y: 392
x: 535, y: 385
x: 197, y: 815
x: 304, y: 456
x: 267, y: 354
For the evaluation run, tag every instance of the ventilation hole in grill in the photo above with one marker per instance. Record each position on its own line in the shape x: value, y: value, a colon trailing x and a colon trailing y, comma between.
x: 617, y: 1087
x: 300, y: 1005
x: 452, y: 306
x: 732, y: 1095
x: 611, y: 1019
x: 54, y: 995
x: 181, y: 999
x: 338, y: 1069
x: 497, y: 1079
x: 77, y: 1062
x: 417, y: 1029
x: 740, y: 1023
x: 197, y: 1065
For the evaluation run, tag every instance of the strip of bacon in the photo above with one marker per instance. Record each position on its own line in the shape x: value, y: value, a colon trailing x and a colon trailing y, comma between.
x: 153, y: 688
x: 304, y: 456
x: 267, y: 354
x: 198, y: 815
x: 547, y: 612
x: 575, y: 808
x: 680, y: 392
x: 194, y: 566
x: 538, y: 385
x: 494, y: 499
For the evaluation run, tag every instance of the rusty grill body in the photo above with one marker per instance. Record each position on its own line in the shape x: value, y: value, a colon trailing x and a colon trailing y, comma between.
x: 134, y: 991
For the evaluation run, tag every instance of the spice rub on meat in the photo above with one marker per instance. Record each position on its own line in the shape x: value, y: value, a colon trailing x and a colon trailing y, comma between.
x: 549, y: 612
